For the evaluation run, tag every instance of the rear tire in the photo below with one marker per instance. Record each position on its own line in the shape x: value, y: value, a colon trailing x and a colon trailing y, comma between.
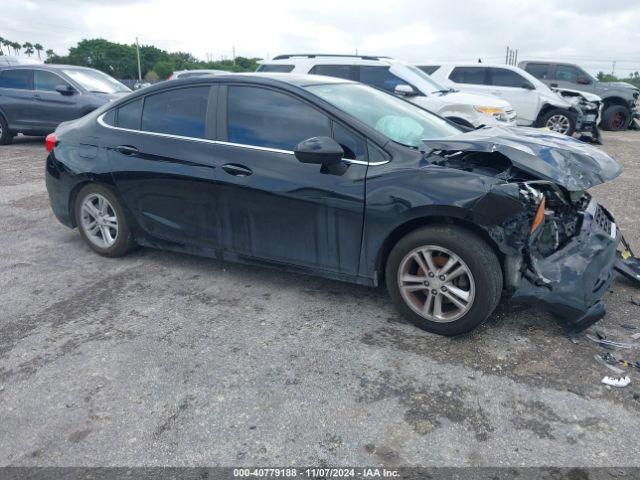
x: 102, y: 222
x: 466, y: 299
x: 616, y: 118
x: 559, y: 120
x: 6, y: 136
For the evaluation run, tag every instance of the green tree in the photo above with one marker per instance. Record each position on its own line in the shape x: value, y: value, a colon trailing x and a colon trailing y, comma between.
x: 2, y: 40
x: 17, y: 47
x: 151, y: 76
x: 120, y: 60
x: 28, y: 48
x: 164, y: 68
x: 38, y: 48
x: 49, y: 53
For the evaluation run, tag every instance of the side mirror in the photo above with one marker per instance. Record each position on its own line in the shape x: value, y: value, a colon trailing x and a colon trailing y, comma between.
x: 65, y: 89
x: 319, y: 151
x: 404, y: 90
x: 583, y: 81
x: 528, y: 86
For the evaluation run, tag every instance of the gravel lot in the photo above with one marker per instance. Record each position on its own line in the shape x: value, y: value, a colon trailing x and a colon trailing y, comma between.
x: 168, y: 359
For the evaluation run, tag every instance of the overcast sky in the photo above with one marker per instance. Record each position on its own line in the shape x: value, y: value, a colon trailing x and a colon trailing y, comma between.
x: 590, y: 32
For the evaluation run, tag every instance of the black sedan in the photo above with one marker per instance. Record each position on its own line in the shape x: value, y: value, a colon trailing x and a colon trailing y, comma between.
x: 338, y: 179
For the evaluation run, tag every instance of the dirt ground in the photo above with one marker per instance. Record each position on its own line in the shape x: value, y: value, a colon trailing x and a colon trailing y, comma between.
x: 167, y: 359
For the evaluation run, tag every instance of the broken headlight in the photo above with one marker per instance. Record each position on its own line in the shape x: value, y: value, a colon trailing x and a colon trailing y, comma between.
x: 495, y: 112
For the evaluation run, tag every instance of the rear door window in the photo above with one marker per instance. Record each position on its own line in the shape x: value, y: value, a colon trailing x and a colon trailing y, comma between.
x: 348, y: 72
x: 47, y: 81
x: 471, y: 75
x: 380, y: 77
x: 267, y: 118
x: 129, y: 115
x: 538, y: 70
x: 180, y: 112
x: 502, y: 77
x: 275, y: 68
x: 20, y: 79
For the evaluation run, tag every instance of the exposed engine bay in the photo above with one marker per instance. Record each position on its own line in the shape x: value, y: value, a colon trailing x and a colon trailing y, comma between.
x: 560, y: 247
x: 561, y: 210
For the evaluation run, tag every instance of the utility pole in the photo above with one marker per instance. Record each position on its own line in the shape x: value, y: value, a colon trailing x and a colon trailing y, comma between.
x: 233, y: 49
x: 138, y: 53
x: 613, y: 68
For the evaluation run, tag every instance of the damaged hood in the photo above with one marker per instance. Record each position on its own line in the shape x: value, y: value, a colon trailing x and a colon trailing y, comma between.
x: 544, y: 154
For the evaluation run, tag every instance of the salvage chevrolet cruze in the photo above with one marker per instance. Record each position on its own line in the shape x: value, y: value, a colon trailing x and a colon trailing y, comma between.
x: 335, y: 178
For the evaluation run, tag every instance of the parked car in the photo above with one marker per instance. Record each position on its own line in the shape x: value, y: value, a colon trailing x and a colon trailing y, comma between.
x: 537, y: 105
x: 34, y: 99
x: 590, y: 105
x: 403, y: 80
x: 338, y: 179
x: 194, y: 73
x: 620, y: 98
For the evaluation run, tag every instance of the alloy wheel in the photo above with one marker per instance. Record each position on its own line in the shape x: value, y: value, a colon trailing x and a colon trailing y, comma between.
x: 99, y: 221
x: 558, y: 123
x: 436, y: 284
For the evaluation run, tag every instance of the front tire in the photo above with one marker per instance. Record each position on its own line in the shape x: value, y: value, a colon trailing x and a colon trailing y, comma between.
x: 6, y: 136
x: 558, y: 120
x: 102, y: 222
x: 616, y: 118
x: 444, y: 279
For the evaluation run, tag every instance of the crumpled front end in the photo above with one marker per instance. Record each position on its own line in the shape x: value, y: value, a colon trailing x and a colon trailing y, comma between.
x: 571, y: 281
x: 559, y: 246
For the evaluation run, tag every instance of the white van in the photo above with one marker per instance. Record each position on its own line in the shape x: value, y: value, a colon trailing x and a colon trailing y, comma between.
x: 537, y: 105
x: 401, y: 79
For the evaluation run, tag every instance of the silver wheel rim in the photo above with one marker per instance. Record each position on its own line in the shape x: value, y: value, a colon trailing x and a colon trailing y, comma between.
x: 99, y: 221
x: 436, y: 284
x: 558, y: 123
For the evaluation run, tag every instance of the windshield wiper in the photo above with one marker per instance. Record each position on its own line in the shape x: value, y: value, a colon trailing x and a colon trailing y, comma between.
x: 97, y: 91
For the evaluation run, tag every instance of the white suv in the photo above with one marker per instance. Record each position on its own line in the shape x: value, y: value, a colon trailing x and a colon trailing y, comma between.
x: 537, y: 105
x: 402, y: 79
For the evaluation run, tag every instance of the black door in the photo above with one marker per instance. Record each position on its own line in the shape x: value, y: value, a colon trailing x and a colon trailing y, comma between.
x: 275, y: 207
x: 164, y: 165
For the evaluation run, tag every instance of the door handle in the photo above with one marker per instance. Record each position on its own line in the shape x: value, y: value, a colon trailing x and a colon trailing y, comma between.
x: 36, y: 96
x: 237, y: 170
x: 554, y: 85
x: 127, y: 150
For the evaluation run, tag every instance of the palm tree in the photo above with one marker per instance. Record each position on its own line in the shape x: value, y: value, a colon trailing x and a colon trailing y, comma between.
x: 17, y: 47
x: 28, y: 48
x: 1, y: 43
x: 7, y: 43
x: 38, y: 48
x: 50, y: 53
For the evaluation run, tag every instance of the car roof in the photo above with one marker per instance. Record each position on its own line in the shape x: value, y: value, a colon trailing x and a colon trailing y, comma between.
x: 46, y: 66
x: 469, y: 64
x: 261, y: 78
x: 326, y: 57
x: 201, y: 70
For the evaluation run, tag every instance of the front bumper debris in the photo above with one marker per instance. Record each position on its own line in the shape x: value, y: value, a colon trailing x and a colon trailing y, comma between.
x: 576, y: 277
x: 627, y: 263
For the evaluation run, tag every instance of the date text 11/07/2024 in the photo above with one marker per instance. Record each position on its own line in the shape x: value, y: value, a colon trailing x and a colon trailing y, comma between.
x: 293, y: 472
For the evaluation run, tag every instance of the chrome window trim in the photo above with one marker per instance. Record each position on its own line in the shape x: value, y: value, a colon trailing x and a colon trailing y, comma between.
x: 102, y: 123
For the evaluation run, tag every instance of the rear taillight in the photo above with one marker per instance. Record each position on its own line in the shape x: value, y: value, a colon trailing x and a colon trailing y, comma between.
x: 170, y: 77
x: 50, y: 142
